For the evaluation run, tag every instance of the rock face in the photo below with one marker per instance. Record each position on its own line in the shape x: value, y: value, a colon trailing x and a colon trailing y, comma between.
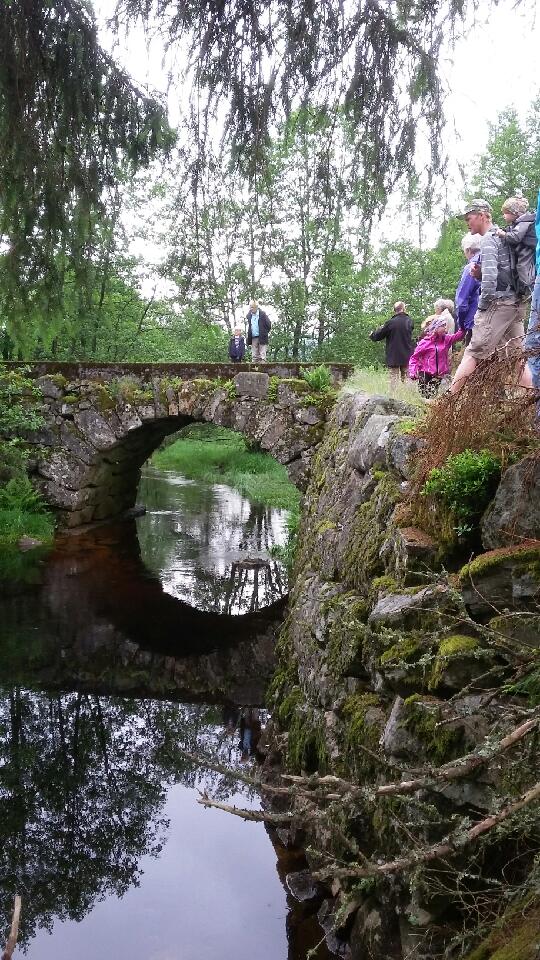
x: 390, y: 667
x: 514, y: 514
x: 98, y: 433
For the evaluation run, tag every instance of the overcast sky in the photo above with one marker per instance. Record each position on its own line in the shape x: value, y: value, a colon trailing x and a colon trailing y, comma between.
x: 493, y: 67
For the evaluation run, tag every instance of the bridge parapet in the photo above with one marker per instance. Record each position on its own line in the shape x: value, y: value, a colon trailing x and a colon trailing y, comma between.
x: 100, y: 429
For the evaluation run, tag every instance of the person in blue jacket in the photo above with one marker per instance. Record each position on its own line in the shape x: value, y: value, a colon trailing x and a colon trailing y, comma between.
x: 532, y: 339
x: 468, y: 289
x: 237, y: 346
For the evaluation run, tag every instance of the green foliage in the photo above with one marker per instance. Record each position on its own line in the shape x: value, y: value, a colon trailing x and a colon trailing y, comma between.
x: 465, y: 484
x: 318, y: 379
x: 19, y: 402
x: 221, y: 456
x: 19, y: 495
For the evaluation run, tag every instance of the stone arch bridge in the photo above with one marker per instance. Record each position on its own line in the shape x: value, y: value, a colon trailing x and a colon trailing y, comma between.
x: 103, y: 421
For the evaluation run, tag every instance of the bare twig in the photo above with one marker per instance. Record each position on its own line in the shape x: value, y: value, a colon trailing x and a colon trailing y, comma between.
x: 259, y: 816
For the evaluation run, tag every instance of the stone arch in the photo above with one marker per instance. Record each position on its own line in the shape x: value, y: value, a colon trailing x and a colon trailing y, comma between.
x: 99, y: 433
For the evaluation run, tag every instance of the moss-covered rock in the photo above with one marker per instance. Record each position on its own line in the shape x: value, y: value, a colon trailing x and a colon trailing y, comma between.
x: 516, y: 937
x: 363, y: 716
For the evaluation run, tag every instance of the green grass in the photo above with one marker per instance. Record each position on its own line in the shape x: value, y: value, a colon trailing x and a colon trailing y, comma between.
x: 377, y: 381
x: 222, y: 456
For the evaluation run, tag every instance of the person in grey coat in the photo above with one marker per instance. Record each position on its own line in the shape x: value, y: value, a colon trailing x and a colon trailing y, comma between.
x: 397, y: 331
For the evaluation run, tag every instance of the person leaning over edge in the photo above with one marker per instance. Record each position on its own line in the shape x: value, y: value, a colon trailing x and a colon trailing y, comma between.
x: 501, y: 311
x: 399, y: 346
x: 259, y: 327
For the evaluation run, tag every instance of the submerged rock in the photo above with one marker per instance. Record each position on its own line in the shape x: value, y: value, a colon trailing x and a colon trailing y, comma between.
x: 301, y: 885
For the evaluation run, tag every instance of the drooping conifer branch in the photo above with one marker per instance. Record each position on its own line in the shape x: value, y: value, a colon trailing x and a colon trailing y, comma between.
x: 69, y: 117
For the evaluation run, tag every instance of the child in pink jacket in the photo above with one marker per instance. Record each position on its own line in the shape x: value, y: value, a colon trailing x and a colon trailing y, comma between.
x: 430, y: 361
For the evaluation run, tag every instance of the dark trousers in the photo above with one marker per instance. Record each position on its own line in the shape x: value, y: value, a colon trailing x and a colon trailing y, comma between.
x: 428, y: 384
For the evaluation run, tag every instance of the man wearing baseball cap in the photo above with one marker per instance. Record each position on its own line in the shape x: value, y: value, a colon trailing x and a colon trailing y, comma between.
x: 501, y: 312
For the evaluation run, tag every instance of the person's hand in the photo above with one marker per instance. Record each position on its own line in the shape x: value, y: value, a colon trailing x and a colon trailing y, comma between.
x: 476, y: 271
x: 500, y: 233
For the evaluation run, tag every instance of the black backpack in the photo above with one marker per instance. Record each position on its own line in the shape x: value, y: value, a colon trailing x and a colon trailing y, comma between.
x: 523, y: 260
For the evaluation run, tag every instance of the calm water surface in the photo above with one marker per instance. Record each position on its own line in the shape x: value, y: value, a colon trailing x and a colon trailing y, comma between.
x: 138, y: 645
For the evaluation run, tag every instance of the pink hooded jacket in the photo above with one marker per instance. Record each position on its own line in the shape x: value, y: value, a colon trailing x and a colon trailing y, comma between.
x: 431, y: 355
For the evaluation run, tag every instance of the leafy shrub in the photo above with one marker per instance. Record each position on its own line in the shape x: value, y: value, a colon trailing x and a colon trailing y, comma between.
x: 319, y: 379
x: 20, y: 495
x: 19, y: 402
x: 465, y: 484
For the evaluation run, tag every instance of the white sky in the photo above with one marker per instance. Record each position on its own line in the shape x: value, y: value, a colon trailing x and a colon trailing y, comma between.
x: 493, y: 67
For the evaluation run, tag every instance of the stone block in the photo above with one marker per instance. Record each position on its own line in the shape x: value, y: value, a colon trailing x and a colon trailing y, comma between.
x: 290, y: 394
x: 369, y: 446
x: 252, y: 385
x: 49, y: 388
x: 95, y: 428
x: 64, y: 469
x: 402, y: 451
x: 514, y: 513
x: 409, y: 610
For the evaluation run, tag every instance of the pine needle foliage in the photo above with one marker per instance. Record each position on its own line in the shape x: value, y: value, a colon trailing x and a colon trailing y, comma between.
x: 68, y: 118
x: 265, y: 58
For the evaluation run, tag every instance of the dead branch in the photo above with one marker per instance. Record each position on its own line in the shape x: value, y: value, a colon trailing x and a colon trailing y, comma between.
x: 259, y: 816
x: 234, y: 774
x: 438, y: 851
x: 14, y: 932
x: 456, y: 770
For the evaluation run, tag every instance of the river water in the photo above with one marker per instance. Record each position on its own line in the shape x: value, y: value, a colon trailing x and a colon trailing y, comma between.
x: 136, y: 649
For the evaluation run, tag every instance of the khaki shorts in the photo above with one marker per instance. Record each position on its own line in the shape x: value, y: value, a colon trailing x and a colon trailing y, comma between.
x: 502, y: 321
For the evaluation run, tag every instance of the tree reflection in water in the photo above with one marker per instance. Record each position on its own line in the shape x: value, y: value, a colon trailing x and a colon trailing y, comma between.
x: 197, y: 538
x: 83, y: 782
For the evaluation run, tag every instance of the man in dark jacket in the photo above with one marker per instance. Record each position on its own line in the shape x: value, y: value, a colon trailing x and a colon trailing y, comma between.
x: 258, y: 329
x: 237, y: 346
x: 399, y: 346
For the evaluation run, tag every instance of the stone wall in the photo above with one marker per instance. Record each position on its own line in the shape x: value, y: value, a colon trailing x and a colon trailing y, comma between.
x: 98, y: 433
x: 389, y: 667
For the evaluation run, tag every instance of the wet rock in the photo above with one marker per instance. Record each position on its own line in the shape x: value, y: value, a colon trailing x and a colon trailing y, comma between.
x: 327, y: 920
x: 301, y: 885
x: 28, y: 543
x: 375, y: 932
x: 514, y: 513
x: 252, y: 385
x: 368, y: 449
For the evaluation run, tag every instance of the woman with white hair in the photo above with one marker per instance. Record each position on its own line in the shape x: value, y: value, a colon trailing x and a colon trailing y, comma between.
x: 444, y: 310
x: 468, y: 289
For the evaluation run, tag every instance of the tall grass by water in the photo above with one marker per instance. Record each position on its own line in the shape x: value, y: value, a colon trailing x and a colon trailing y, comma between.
x: 215, y: 455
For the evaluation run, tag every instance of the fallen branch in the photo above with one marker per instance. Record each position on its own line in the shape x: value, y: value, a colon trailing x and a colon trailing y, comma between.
x: 229, y: 772
x: 14, y: 932
x: 456, y: 770
x: 438, y: 851
x: 259, y: 816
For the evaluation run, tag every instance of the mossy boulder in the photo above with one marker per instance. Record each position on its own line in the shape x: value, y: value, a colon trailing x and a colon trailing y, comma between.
x: 427, y: 608
x: 363, y: 718
x: 460, y: 660
x: 508, y: 577
x: 514, y: 513
x: 516, y: 937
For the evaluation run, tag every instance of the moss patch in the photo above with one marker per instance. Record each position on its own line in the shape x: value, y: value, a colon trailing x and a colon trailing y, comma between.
x: 441, y: 743
x: 516, y: 938
x: 369, y: 530
x: 525, y: 555
x: 363, y: 720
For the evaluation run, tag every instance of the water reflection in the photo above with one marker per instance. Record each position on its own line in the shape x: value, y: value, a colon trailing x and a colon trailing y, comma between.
x: 92, y: 789
x: 209, y: 545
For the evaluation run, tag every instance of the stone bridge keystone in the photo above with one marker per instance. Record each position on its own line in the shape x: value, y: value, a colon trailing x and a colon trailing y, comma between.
x: 102, y: 422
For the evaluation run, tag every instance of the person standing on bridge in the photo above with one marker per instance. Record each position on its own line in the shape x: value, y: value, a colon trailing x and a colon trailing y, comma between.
x: 258, y: 329
x: 237, y: 346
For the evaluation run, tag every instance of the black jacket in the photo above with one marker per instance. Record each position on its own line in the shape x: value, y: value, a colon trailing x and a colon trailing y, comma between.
x: 237, y: 351
x: 397, y: 333
x: 264, y: 327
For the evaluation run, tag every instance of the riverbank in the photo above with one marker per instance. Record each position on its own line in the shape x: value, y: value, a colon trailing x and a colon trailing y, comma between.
x: 216, y: 455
